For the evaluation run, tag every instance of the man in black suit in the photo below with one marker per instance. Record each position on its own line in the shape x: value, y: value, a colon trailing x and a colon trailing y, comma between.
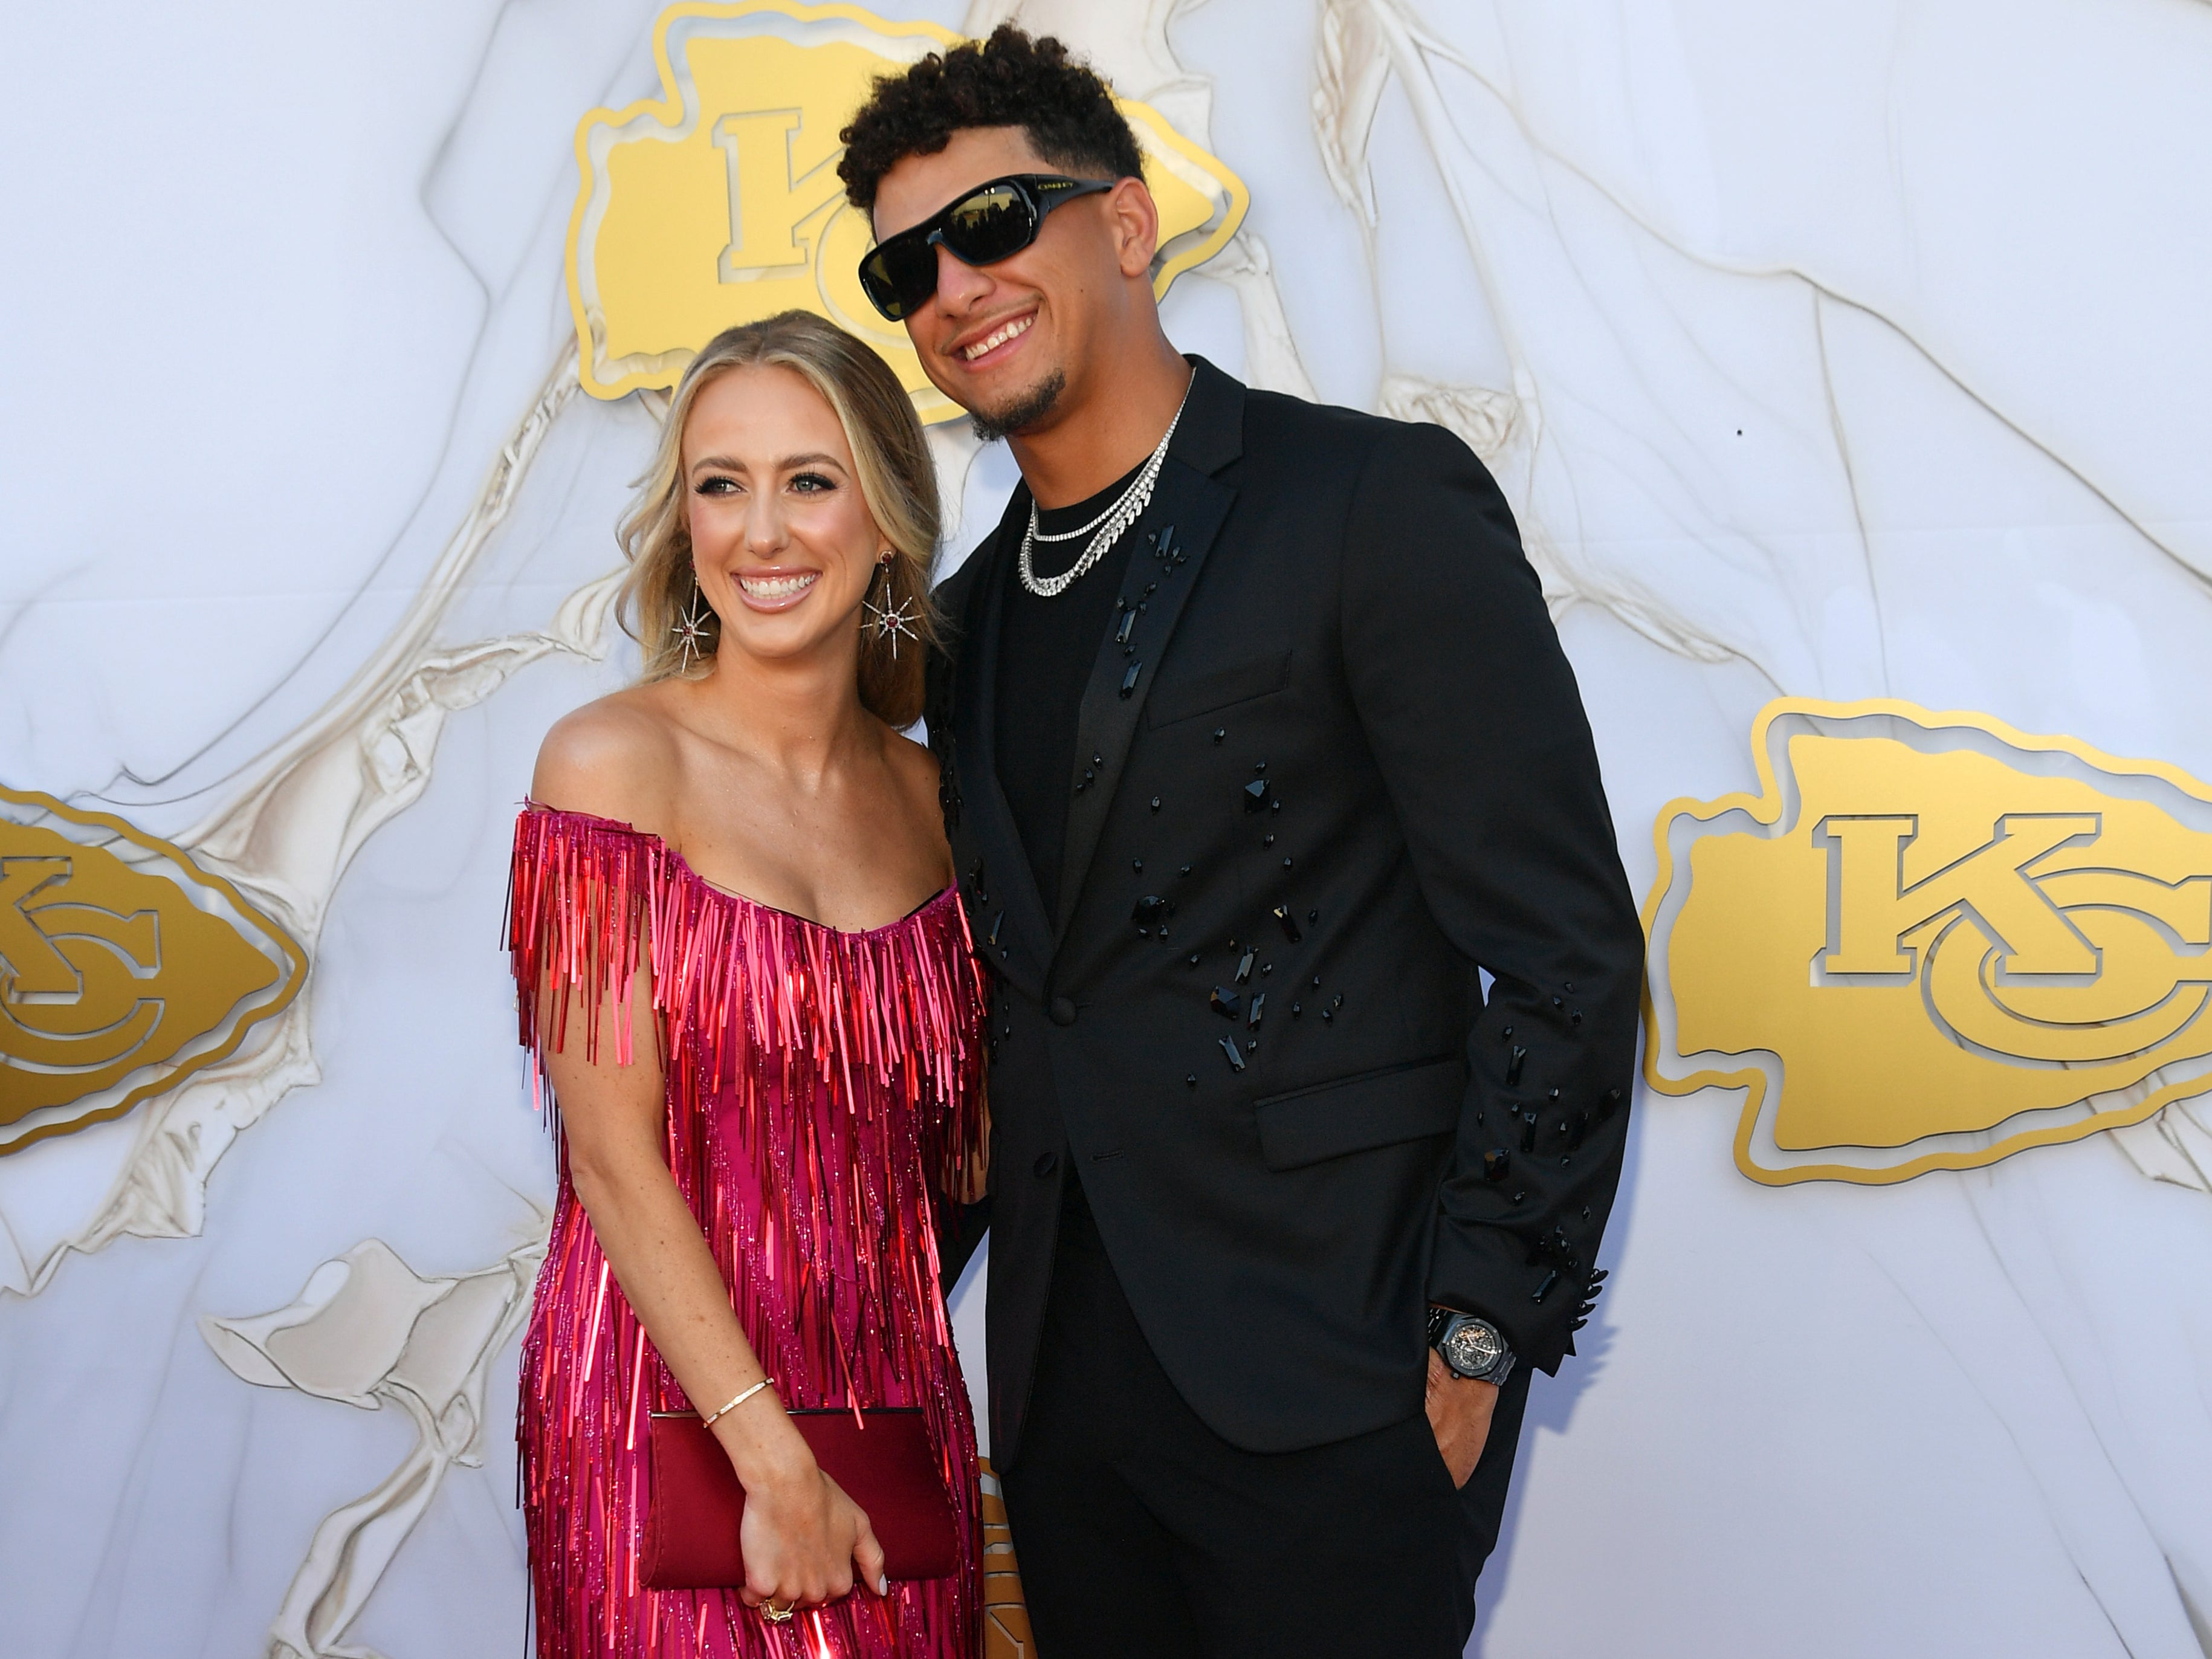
x: 1258, y: 744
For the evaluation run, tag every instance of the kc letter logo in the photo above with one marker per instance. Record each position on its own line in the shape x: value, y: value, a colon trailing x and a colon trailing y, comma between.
x: 1931, y: 942
x: 123, y: 967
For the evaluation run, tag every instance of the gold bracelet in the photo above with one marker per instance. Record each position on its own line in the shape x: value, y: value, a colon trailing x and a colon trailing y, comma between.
x: 739, y: 1398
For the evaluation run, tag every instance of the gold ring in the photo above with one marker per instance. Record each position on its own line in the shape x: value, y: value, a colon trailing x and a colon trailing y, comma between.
x: 776, y: 1615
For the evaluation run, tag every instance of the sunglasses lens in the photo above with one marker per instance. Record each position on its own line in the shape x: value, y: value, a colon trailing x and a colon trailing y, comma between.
x: 994, y: 223
x: 900, y: 276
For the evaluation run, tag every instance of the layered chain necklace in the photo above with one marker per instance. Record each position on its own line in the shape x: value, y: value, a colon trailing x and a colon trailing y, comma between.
x: 1110, y: 525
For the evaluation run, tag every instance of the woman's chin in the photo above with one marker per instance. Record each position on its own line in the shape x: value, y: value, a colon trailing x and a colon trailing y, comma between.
x: 783, y: 640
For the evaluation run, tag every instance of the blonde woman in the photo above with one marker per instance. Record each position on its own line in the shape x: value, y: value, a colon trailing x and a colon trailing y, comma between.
x: 746, y: 976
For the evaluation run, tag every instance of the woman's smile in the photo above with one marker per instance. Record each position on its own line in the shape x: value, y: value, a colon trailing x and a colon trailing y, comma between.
x: 775, y: 589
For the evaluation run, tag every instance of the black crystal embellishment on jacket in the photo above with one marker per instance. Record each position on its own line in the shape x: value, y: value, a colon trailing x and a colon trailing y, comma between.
x: 1236, y: 1059
x: 1290, y: 926
x: 1252, y: 1019
x: 1244, y: 966
x: 1152, y: 910
x: 1495, y: 1163
x: 1513, y: 1065
x: 1128, y: 621
x: 1129, y: 679
x: 1225, y: 1002
x: 1255, y: 794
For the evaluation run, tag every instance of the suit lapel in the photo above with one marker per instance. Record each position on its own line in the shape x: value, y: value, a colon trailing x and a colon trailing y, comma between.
x: 1019, y: 928
x: 1188, y: 506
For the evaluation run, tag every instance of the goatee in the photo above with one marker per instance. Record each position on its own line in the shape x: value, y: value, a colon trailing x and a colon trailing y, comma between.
x: 1024, y: 411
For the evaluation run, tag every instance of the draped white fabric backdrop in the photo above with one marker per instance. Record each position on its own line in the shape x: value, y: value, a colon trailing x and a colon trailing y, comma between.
x: 1825, y: 349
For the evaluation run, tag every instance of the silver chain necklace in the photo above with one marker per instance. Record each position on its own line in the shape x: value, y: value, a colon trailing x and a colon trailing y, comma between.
x: 1109, y: 524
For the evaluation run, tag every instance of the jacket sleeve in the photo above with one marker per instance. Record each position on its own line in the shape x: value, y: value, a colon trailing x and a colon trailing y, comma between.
x: 1471, y: 712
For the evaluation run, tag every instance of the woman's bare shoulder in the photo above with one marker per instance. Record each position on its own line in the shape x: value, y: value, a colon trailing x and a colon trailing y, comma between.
x: 916, y: 778
x: 913, y: 765
x: 615, y: 758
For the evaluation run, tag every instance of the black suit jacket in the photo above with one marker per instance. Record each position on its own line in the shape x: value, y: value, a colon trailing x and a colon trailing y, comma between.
x: 1341, y: 738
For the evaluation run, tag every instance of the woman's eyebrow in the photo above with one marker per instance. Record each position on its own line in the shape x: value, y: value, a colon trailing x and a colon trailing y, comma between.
x: 723, y: 462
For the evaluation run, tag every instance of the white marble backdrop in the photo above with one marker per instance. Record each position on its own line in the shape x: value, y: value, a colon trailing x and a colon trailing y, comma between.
x: 1825, y: 349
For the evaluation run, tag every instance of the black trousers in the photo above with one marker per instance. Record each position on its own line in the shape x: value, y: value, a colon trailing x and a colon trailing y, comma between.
x: 1140, y: 1532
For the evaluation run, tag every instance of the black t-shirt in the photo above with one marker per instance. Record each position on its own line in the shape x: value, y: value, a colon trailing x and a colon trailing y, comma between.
x: 1046, y: 651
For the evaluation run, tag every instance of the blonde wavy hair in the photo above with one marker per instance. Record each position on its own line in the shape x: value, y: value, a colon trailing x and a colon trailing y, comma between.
x: 897, y: 479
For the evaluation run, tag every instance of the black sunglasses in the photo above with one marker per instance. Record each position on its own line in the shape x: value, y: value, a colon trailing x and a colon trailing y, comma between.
x: 991, y: 222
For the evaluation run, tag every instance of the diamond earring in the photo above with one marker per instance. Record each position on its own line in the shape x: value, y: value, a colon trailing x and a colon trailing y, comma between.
x: 689, y: 630
x: 887, y: 619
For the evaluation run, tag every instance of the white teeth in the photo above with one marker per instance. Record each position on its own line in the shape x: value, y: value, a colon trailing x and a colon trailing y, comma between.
x: 997, y: 337
x: 775, y: 587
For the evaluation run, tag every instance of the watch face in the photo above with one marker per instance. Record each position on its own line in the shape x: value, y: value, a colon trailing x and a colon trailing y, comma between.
x: 1473, y: 1348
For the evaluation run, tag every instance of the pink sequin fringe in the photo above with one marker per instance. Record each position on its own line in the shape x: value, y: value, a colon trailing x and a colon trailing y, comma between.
x: 816, y: 1080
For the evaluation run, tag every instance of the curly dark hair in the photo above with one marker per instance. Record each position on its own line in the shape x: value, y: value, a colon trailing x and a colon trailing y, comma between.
x: 1009, y: 79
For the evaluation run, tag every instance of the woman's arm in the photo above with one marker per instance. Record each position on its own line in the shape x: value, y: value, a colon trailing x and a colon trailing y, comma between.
x: 803, y: 1537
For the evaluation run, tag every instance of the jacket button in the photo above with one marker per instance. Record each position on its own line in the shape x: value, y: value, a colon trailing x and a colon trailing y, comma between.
x: 1047, y: 1162
x: 1063, y: 1011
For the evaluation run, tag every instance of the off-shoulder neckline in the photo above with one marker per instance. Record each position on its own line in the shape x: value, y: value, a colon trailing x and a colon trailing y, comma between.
x: 933, y: 902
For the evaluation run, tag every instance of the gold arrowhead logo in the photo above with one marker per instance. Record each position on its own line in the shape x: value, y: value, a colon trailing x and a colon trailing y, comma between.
x: 719, y: 203
x: 1931, y: 942
x: 124, y: 967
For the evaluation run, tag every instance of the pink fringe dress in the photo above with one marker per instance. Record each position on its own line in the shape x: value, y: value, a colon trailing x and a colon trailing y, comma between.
x: 815, y: 1079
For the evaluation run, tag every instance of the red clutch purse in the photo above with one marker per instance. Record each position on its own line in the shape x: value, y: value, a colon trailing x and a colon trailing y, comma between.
x: 884, y: 1460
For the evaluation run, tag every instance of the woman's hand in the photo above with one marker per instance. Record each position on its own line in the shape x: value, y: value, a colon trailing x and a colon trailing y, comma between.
x: 805, y: 1541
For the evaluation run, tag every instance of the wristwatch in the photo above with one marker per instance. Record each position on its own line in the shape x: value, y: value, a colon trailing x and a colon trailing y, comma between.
x: 1472, y: 1348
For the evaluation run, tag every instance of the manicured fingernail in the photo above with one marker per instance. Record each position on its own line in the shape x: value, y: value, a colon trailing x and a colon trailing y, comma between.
x: 883, y: 1584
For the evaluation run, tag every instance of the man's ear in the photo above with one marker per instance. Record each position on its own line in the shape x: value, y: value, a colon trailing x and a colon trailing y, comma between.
x: 1135, y: 219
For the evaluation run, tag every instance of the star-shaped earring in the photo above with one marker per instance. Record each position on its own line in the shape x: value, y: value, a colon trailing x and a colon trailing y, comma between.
x: 691, y: 629
x: 893, y: 620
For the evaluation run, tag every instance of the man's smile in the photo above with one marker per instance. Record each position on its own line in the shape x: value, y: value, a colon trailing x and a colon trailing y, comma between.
x: 996, y: 341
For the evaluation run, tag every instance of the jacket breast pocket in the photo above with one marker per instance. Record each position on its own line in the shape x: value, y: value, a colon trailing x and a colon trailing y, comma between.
x: 1359, y: 1113
x: 1205, y: 694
